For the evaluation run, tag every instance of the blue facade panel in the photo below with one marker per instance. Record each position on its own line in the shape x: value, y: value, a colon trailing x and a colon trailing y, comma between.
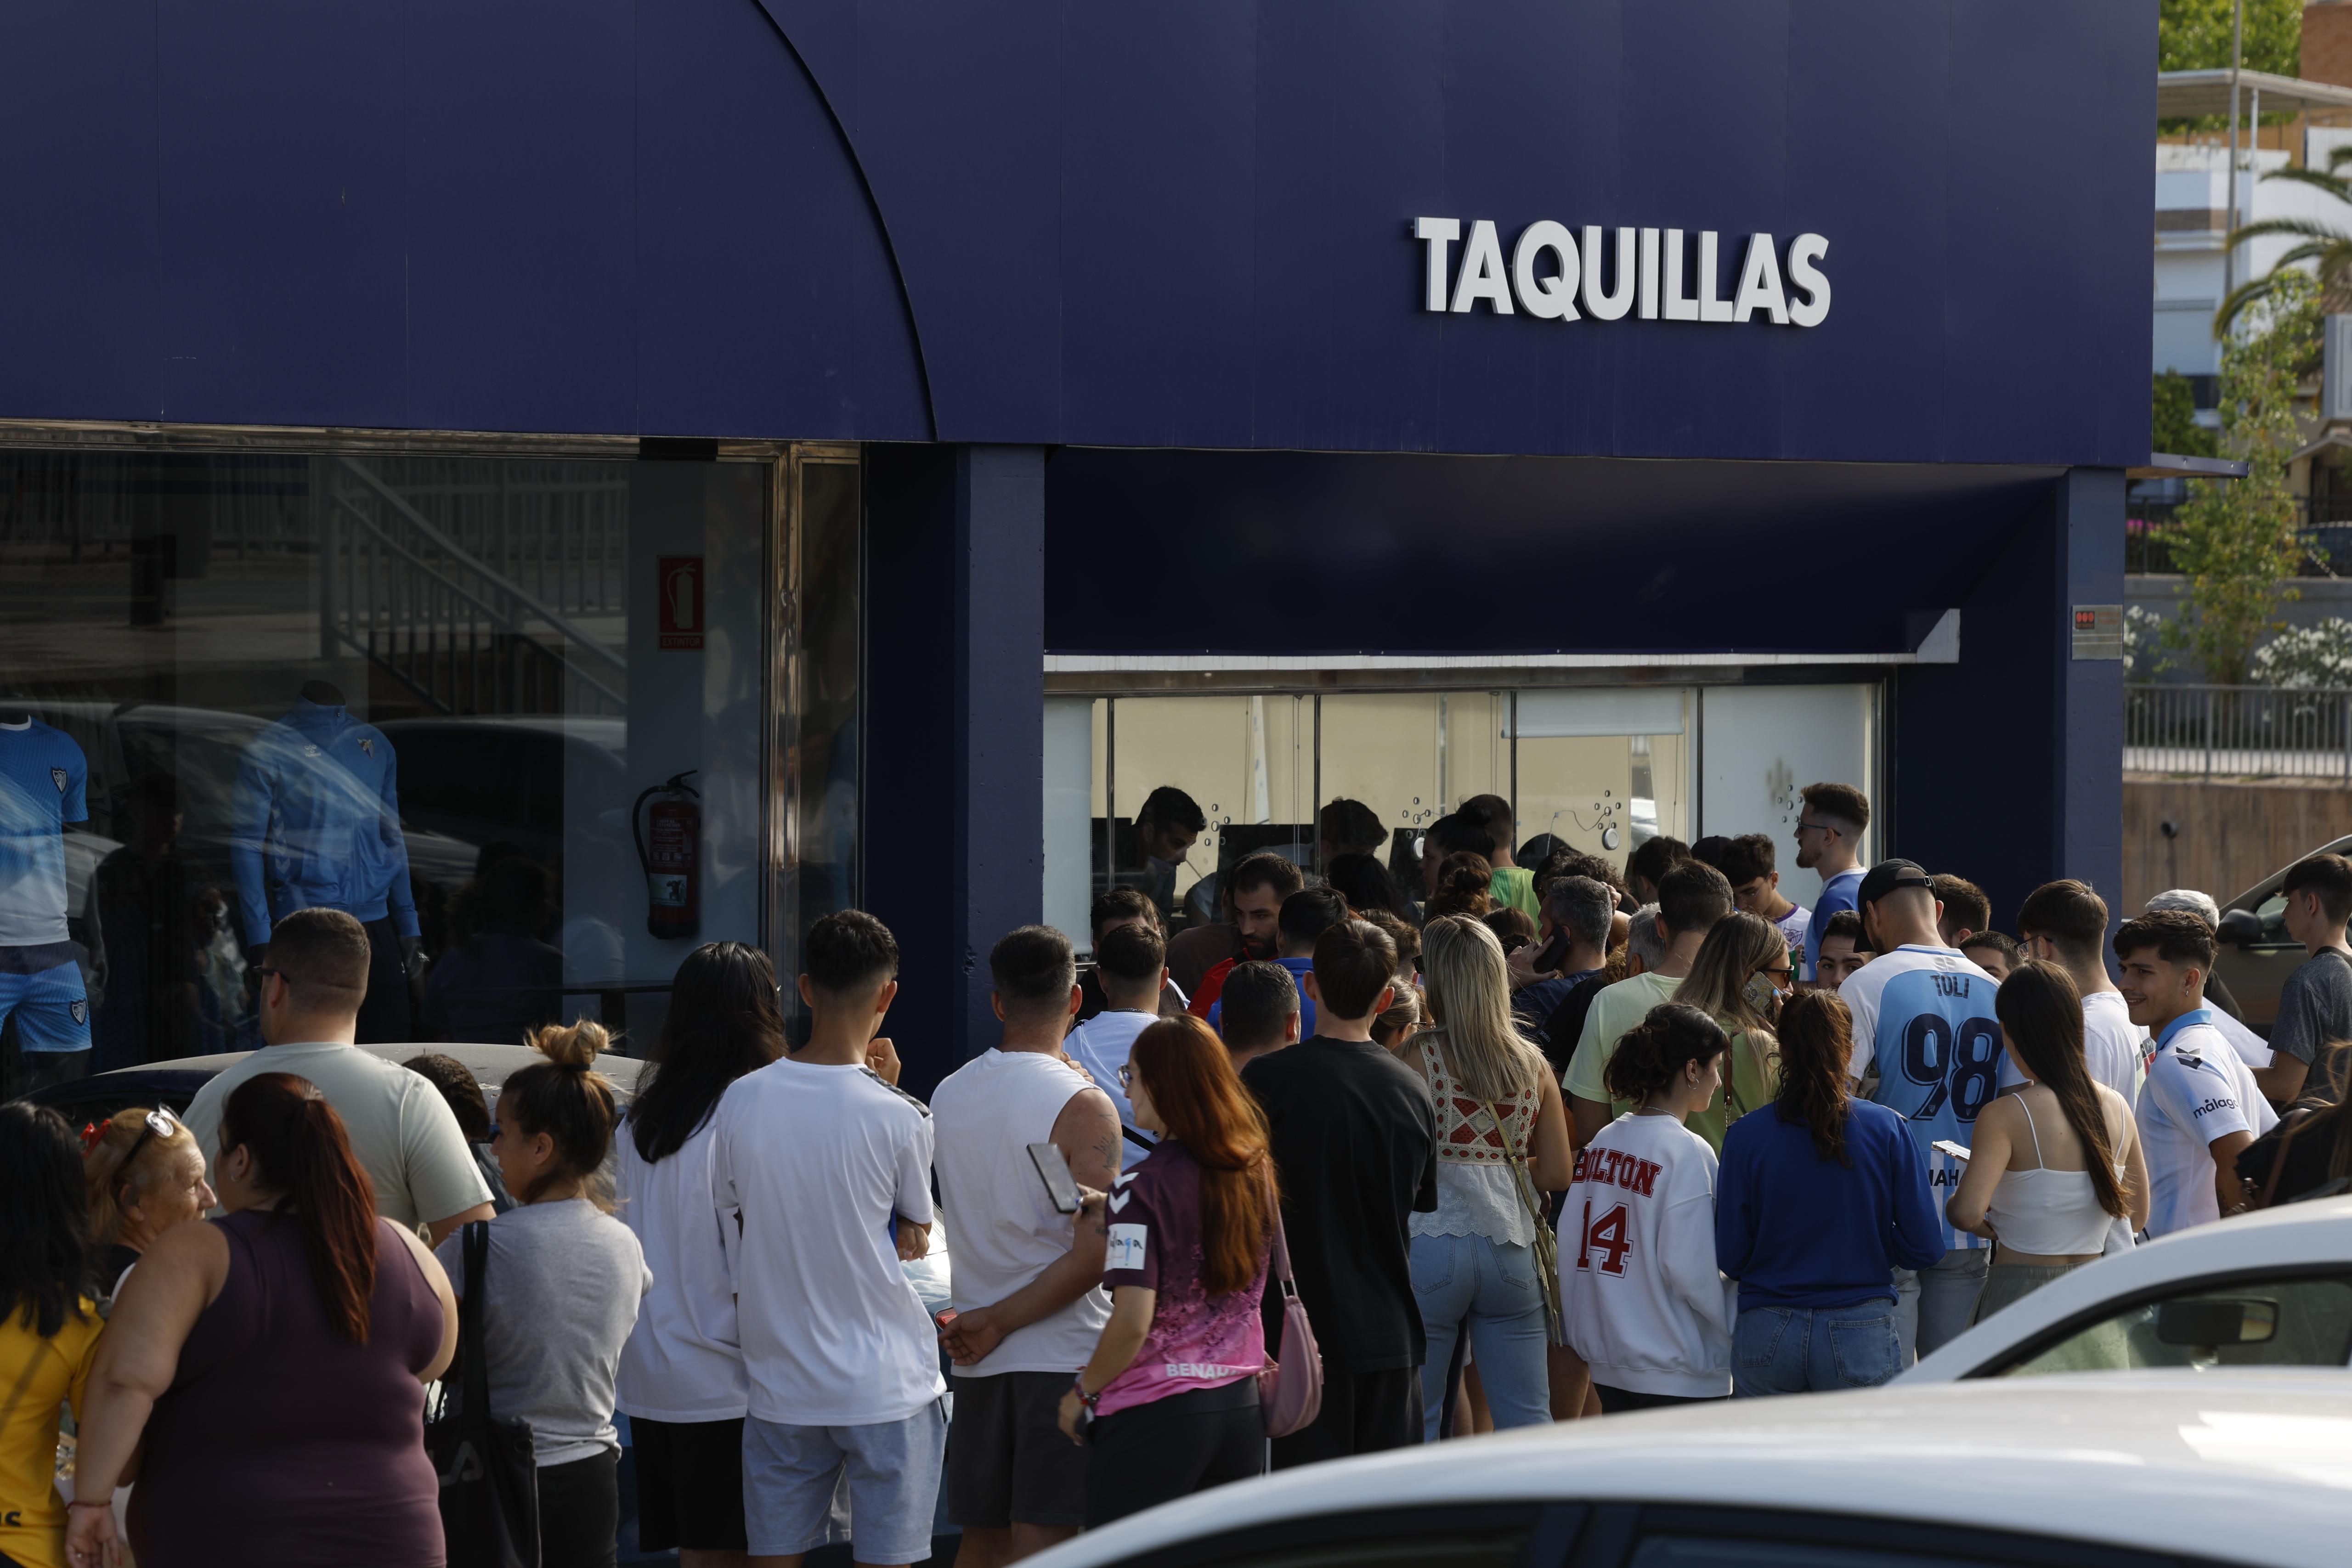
x: 1043, y: 223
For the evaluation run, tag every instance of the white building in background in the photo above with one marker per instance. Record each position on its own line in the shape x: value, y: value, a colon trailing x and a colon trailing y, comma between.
x: 2192, y: 203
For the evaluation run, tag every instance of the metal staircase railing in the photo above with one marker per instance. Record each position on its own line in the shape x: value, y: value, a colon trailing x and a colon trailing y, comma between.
x: 461, y: 633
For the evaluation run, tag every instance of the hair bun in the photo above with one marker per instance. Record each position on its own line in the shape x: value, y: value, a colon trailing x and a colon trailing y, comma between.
x: 575, y: 1046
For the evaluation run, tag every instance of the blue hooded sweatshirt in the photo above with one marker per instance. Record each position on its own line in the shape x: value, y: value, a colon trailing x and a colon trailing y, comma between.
x: 318, y: 823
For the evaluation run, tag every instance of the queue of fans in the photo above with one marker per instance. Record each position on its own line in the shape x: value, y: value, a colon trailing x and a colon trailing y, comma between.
x: 1549, y: 1141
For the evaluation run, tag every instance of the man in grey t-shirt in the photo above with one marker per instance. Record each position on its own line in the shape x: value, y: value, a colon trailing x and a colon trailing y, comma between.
x: 2316, y: 1003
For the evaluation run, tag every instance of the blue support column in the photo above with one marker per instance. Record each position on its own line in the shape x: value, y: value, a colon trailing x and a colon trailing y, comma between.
x: 954, y: 723
x: 2009, y: 765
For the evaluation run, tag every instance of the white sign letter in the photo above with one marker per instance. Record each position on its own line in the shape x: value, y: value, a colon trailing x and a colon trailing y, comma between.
x: 1608, y: 306
x: 1436, y: 234
x: 1547, y: 298
x: 1803, y: 251
x: 1759, y: 282
x: 1649, y: 307
x: 1710, y: 309
x: 1482, y: 272
x: 1680, y: 307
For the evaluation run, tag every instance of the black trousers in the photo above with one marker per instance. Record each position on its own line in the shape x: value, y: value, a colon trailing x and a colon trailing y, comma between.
x: 1364, y: 1413
x: 1618, y: 1401
x: 385, y: 1014
x: 1149, y: 1454
x: 580, y: 1512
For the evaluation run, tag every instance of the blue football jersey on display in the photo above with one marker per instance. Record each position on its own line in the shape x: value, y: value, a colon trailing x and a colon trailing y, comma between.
x: 43, y: 785
x: 318, y: 822
x: 1923, y: 1018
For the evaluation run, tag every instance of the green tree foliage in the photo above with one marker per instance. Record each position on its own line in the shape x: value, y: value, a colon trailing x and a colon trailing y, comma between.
x: 2235, y: 539
x: 2176, y: 430
x: 2194, y: 35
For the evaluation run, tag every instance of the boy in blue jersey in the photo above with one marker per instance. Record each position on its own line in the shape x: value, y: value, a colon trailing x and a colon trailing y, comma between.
x: 1922, y: 1020
x: 44, y: 783
x: 2200, y: 1109
x: 1829, y: 844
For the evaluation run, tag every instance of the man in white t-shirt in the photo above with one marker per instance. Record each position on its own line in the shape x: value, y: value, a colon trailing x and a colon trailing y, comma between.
x: 1028, y: 1281
x: 2066, y: 923
x: 1923, y: 1028
x: 827, y: 1166
x: 2199, y: 1109
x: 1131, y: 968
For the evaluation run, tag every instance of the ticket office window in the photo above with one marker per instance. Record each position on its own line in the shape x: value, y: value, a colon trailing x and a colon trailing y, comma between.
x: 1262, y: 767
x: 465, y: 699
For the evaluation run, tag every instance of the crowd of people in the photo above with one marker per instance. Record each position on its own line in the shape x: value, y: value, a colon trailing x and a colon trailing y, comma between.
x: 1548, y: 1140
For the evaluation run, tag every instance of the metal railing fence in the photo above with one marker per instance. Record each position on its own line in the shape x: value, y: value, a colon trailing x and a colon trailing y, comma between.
x: 2237, y: 732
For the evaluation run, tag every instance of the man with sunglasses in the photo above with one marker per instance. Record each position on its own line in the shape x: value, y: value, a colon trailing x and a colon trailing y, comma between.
x: 1829, y: 843
x: 404, y: 1132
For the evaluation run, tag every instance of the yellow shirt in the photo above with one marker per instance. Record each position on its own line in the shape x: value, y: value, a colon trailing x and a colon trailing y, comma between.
x: 37, y: 1376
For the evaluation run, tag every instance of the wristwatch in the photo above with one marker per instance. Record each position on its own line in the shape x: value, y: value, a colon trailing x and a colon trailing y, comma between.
x: 1084, y: 1398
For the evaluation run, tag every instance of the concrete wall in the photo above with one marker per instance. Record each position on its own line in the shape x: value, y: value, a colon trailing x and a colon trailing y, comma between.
x: 2318, y: 598
x: 2226, y: 838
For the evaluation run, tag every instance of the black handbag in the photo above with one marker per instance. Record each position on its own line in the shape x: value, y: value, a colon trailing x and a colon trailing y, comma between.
x: 489, y: 1477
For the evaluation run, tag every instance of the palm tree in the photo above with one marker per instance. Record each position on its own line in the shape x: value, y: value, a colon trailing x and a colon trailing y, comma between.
x: 2327, y: 250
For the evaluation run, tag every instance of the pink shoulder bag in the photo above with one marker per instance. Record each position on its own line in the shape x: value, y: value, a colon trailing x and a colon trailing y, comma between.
x: 1290, y: 1391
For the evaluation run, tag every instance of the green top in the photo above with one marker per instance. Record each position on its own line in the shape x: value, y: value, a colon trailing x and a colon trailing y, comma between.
x: 1516, y: 885
x: 1750, y: 1076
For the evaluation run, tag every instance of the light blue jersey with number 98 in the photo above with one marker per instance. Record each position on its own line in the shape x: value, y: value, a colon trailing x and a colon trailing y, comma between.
x: 1923, y: 1019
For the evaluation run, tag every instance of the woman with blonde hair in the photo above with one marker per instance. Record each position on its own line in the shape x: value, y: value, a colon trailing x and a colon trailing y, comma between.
x: 1475, y: 1270
x: 143, y: 1171
x: 1742, y: 974
x: 561, y: 1281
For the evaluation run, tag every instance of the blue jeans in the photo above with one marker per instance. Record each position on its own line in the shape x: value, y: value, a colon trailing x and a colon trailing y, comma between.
x: 1793, y: 1350
x: 1487, y: 1289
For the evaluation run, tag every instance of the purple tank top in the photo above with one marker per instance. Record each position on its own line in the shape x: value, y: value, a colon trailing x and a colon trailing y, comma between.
x: 282, y: 1443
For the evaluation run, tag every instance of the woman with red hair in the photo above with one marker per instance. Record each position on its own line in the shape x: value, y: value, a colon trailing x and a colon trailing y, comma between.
x: 272, y: 1362
x: 1169, y: 1401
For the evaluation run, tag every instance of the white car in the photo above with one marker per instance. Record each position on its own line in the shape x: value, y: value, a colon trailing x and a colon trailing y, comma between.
x: 2135, y: 1471
x: 2272, y: 1289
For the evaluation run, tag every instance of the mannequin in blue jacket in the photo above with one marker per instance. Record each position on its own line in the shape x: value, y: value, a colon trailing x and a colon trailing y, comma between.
x: 317, y: 827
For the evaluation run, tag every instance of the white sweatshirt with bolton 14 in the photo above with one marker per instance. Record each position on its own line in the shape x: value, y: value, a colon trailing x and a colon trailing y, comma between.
x: 1643, y: 1301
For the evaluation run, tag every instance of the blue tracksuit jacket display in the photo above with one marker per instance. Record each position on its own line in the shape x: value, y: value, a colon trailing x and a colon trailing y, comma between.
x: 318, y: 823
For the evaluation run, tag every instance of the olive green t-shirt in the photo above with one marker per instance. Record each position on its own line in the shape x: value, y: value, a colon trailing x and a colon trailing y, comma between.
x: 1751, y: 1076
x: 1516, y: 885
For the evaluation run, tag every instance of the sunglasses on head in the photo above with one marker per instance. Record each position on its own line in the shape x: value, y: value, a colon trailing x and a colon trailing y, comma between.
x: 159, y: 1124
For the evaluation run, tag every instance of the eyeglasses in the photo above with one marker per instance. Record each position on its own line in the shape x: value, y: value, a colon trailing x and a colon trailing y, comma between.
x: 1126, y: 1075
x: 159, y: 1124
x: 1804, y: 827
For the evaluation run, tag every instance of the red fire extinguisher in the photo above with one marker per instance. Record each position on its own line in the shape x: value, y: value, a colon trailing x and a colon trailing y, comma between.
x: 667, y: 847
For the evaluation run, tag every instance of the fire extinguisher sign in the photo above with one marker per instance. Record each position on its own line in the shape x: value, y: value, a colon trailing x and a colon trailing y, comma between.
x: 679, y: 625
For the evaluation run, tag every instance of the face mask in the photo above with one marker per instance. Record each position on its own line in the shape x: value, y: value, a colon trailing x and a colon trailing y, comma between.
x: 1758, y: 994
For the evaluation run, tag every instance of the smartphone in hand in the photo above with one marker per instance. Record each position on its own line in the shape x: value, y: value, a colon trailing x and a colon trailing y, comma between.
x: 1055, y: 1172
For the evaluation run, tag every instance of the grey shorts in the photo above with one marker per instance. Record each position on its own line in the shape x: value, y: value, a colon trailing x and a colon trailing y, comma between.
x: 1008, y: 1462
x: 893, y: 1470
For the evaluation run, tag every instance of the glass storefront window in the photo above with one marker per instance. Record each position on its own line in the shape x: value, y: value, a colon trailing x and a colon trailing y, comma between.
x: 1601, y: 768
x: 1245, y: 763
x: 511, y: 712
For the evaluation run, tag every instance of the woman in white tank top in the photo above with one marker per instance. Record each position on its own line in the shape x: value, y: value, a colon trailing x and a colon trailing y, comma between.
x: 2056, y: 1161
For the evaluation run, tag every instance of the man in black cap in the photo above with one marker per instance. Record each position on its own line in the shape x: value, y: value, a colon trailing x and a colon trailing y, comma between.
x: 1923, y: 1024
